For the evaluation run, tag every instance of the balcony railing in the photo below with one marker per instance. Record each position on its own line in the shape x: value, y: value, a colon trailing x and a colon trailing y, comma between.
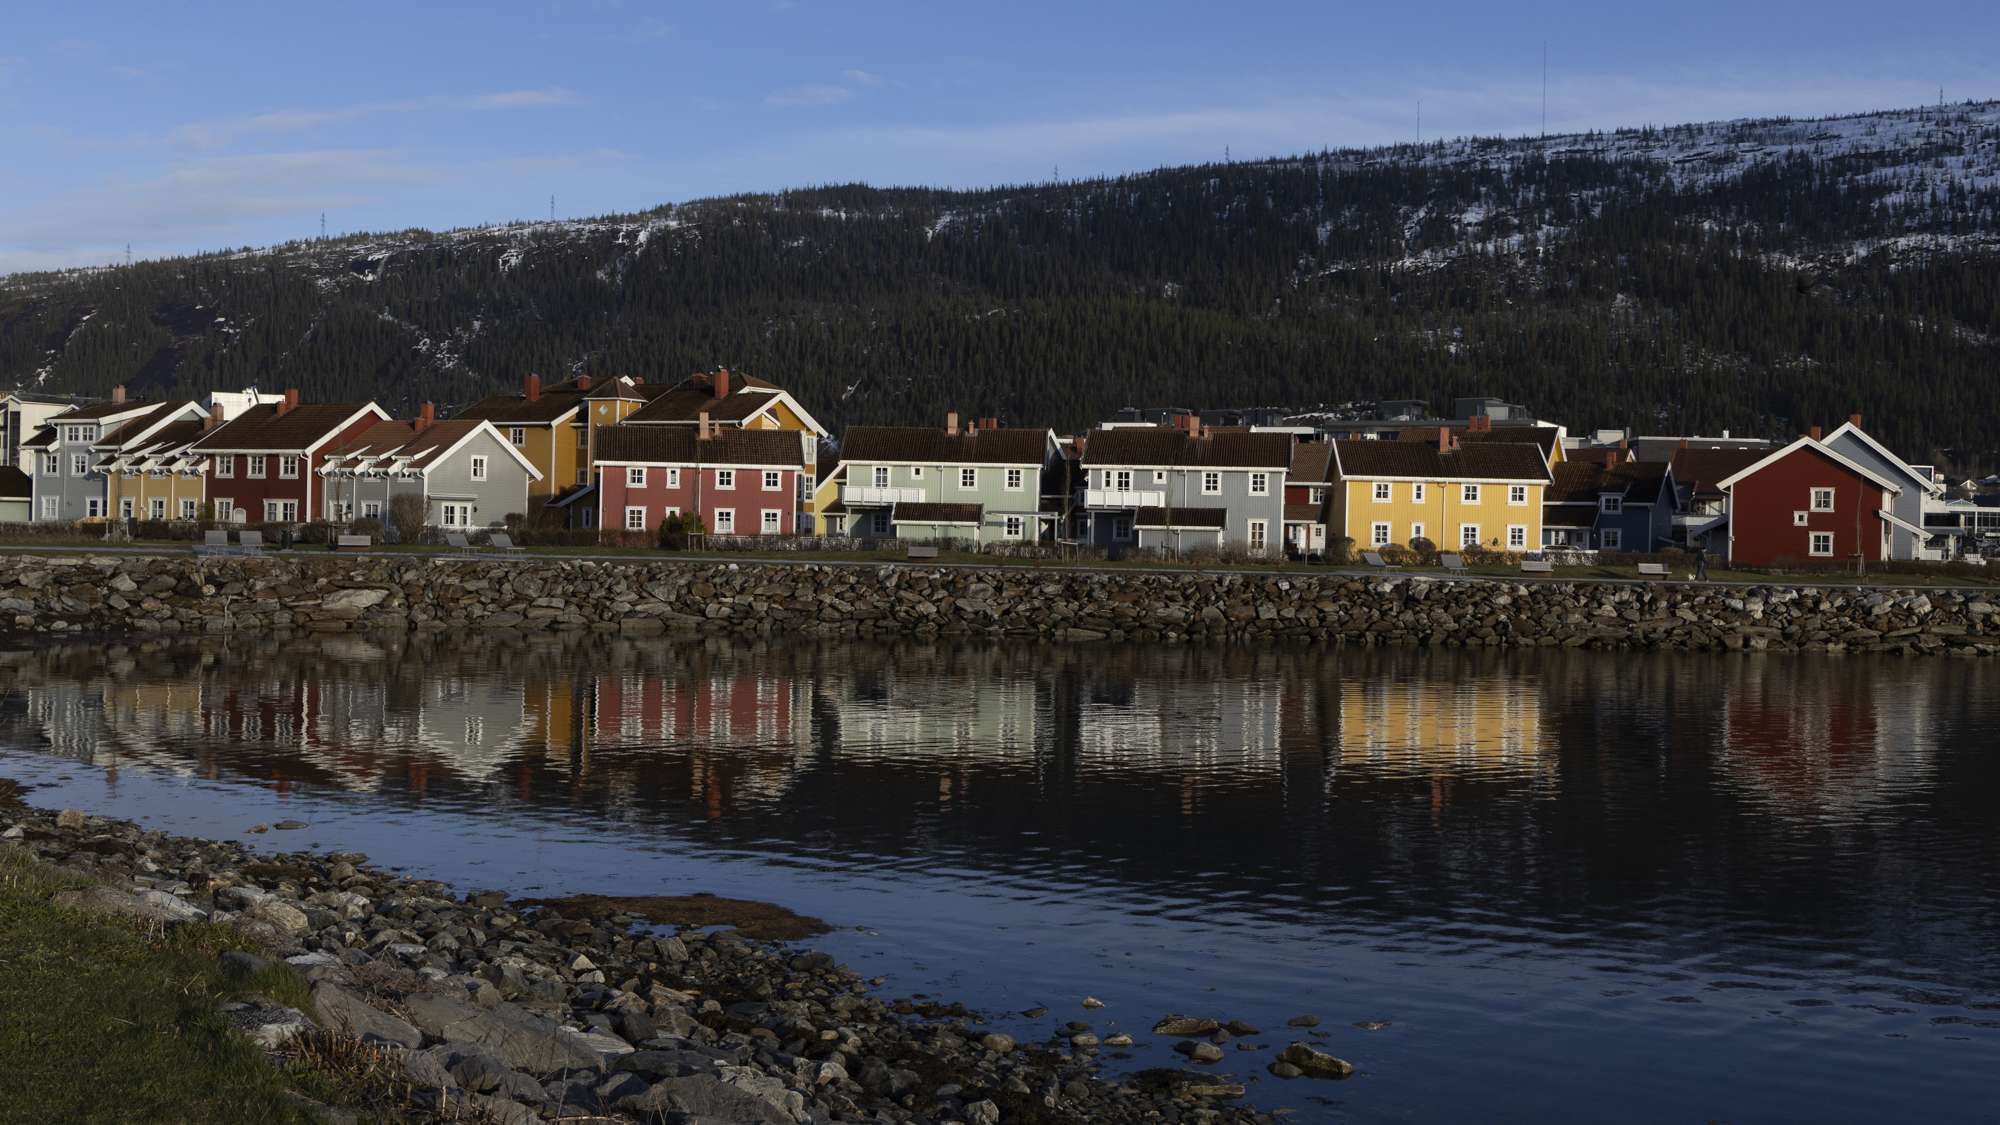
x: 868, y: 494
x: 1124, y: 498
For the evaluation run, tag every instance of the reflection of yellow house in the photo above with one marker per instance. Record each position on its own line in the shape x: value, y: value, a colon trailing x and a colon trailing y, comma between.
x: 544, y: 426
x: 1486, y: 493
x: 150, y: 471
x: 1438, y: 725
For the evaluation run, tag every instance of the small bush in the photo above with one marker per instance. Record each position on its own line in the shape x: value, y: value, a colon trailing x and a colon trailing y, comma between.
x: 1340, y: 550
x: 1424, y: 551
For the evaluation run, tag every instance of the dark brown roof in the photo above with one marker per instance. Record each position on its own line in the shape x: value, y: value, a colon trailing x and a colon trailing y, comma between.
x: 46, y: 436
x: 1542, y: 437
x: 263, y: 429
x: 401, y: 439
x: 1183, y: 517
x: 620, y: 386
x: 1312, y: 462
x: 678, y: 445
x: 518, y: 410
x: 14, y: 484
x: 686, y: 404
x: 1422, y: 460
x: 930, y: 446
x: 129, y: 430
x: 937, y: 513
x: 91, y: 410
x: 1138, y: 445
x: 1302, y: 513
x: 1702, y: 468
x: 173, y: 436
x: 1575, y: 515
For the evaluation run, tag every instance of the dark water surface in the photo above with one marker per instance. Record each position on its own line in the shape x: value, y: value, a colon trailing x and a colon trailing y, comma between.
x: 1578, y: 886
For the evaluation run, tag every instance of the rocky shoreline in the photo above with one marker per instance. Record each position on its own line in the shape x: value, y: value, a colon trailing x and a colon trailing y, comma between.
x: 505, y: 1011
x: 154, y: 595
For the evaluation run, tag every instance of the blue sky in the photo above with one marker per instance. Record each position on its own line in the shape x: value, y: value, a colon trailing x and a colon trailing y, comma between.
x: 180, y: 127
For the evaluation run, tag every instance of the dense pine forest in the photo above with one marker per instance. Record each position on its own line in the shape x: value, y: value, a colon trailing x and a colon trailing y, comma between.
x: 1755, y: 276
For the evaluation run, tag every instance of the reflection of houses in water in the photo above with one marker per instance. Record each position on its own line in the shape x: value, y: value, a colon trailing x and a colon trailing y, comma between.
x: 1842, y: 738
x: 473, y: 725
x: 898, y: 714
x: 1158, y: 723
x: 1470, y: 727
x: 69, y: 717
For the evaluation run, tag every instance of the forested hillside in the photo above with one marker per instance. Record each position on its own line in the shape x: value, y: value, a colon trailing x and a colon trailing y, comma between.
x: 1757, y: 276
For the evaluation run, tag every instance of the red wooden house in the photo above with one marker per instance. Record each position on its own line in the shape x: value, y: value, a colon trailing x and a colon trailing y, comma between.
x: 1805, y: 504
x: 263, y: 465
x: 740, y: 482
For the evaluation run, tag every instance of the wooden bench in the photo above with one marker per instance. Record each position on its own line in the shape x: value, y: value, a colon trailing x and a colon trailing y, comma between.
x: 1652, y: 570
x: 353, y: 543
x: 923, y: 553
x: 1534, y: 566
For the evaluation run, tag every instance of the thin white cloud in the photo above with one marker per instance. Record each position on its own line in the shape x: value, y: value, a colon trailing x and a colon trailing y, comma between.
x: 823, y: 94
x: 214, y: 134
x: 863, y: 78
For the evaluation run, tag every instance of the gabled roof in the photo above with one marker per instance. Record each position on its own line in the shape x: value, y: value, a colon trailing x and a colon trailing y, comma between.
x: 95, y: 410
x: 1702, y: 470
x: 619, y: 386
x: 1808, y: 443
x: 1543, y: 437
x: 147, y: 424
x: 1312, y: 462
x: 1159, y: 446
x: 519, y: 410
x: 923, y: 445
x: 679, y: 445
x: 261, y: 429
x: 748, y: 397
x: 1922, y: 480
x: 414, y: 451
x: 1410, y: 460
x: 1580, y: 482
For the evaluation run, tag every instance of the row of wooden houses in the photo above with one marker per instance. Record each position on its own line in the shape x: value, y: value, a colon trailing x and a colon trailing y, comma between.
x: 745, y: 458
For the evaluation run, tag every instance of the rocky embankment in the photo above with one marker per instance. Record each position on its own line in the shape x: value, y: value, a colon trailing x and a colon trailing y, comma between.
x: 68, y: 594
x: 503, y: 1011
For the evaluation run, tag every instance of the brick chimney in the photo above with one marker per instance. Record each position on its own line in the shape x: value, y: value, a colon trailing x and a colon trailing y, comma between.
x: 214, y: 418
x: 1611, y: 458
x: 427, y: 417
x: 1854, y: 420
x: 1684, y: 443
x: 722, y: 382
x: 1480, y: 424
x: 1814, y: 433
x: 703, y: 429
x: 989, y: 423
x: 532, y: 389
x: 1444, y: 439
x: 951, y: 423
x: 118, y: 393
x: 289, y: 403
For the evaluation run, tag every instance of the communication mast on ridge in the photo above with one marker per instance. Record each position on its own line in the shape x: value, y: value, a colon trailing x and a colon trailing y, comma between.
x: 552, y: 207
x: 1545, y: 88
x: 322, y: 226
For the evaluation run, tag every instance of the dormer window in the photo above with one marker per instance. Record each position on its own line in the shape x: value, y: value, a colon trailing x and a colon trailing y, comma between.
x: 1611, y: 505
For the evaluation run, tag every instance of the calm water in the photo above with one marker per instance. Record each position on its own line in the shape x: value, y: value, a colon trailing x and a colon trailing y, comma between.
x: 1578, y: 886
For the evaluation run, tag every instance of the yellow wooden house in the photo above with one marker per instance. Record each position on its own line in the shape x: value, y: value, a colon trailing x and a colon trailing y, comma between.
x: 150, y: 470
x: 547, y: 427
x: 1482, y: 493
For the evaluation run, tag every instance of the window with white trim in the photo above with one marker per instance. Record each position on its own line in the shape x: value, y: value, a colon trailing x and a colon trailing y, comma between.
x: 1383, y: 491
x: 1378, y: 535
x: 1211, y: 483
x: 1014, y: 526
x: 281, y: 511
x: 916, y: 472
x: 156, y: 508
x: 1124, y: 478
x: 254, y: 467
x: 49, y: 510
x: 79, y: 465
x: 225, y: 465
x: 125, y: 508
x: 673, y: 477
x: 479, y: 468
x: 1259, y: 535
x: 968, y: 478
x: 1469, y: 493
x: 1611, y: 505
x: 371, y: 509
x: 1517, y: 494
x: 725, y: 521
x: 1801, y: 519
x: 1822, y: 499
x: 881, y: 474
x: 771, y: 522
x: 1159, y: 476
x: 670, y: 513
x: 1260, y: 484
x: 1468, y: 535
x: 1417, y: 492
x: 225, y: 510
x: 1517, y: 536
x: 1612, y: 539
x: 288, y: 467
x: 189, y: 509
x: 1016, y: 480
x: 1316, y: 495
x: 1416, y: 531
x: 517, y: 435
x: 635, y: 476
x: 93, y: 507
x: 635, y: 519
x: 773, y: 481
x: 725, y: 478
x: 1821, y: 544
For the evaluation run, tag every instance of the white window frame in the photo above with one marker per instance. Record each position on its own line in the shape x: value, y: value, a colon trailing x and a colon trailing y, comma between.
x: 1316, y: 495
x: 1259, y: 535
x: 1517, y: 495
x: 79, y: 465
x: 1013, y: 527
x: 1384, y: 491
x: 225, y: 465
x: 635, y: 477
x: 1819, y: 494
x: 1380, y: 534
x: 1801, y: 519
x: 93, y: 507
x: 725, y: 480
x: 725, y: 521
x: 1260, y: 484
x: 1468, y: 493
x: 1416, y: 531
x: 225, y: 510
x: 771, y: 521
x: 50, y: 508
x: 1124, y: 479
x: 371, y: 509
x: 288, y: 467
x: 1611, y: 539
x: 156, y: 508
x: 773, y: 480
x: 1159, y: 476
x: 1611, y: 505
x: 189, y: 508
x: 1468, y: 535
x: 51, y: 464
x: 479, y: 467
x: 635, y: 517
x: 125, y: 508
x: 670, y: 512
x: 968, y: 477
x: 916, y: 472
x: 253, y: 466
x: 1813, y: 541
x: 517, y: 435
x: 1211, y: 483
x: 1517, y: 537
x: 1417, y: 492
x: 881, y: 475
x: 673, y: 477
x: 1015, y: 481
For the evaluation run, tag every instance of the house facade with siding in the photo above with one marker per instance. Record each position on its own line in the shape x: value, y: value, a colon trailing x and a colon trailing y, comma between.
x: 543, y: 425
x: 263, y: 466
x: 1599, y: 501
x: 1183, y: 489
x: 68, y: 485
x: 1921, y: 491
x: 151, y: 470
x: 745, y: 402
x: 1487, y: 494
x: 1807, y: 503
x: 978, y: 485
x: 740, y: 482
x: 465, y: 472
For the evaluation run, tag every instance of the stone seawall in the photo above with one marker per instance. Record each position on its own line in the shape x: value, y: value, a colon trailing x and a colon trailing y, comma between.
x: 186, y: 594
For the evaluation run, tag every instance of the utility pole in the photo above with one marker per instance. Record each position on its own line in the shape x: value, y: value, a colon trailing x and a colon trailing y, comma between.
x: 1545, y: 88
x: 552, y: 207
x: 1420, y: 121
x: 322, y: 226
